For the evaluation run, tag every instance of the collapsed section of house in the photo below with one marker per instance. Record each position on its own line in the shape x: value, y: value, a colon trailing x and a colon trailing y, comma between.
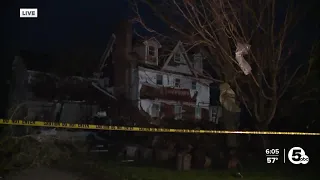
x: 47, y: 97
x: 145, y: 88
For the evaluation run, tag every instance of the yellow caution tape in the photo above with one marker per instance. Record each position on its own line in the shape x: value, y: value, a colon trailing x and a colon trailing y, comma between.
x: 141, y: 129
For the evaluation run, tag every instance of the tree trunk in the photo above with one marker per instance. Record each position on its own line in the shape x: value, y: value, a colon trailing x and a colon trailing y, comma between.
x: 264, y: 137
x: 231, y: 123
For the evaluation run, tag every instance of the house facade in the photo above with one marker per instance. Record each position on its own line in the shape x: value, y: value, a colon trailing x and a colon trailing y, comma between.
x: 174, y: 87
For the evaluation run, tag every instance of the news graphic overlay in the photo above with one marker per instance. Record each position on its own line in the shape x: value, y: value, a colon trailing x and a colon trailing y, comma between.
x: 28, y: 12
x: 272, y: 156
x: 297, y: 155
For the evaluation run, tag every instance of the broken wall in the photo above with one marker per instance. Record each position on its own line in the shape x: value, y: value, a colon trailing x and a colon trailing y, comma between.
x: 202, y: 90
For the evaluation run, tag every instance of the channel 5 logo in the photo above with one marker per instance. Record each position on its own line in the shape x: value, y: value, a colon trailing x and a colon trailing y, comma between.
x: 297, y: 155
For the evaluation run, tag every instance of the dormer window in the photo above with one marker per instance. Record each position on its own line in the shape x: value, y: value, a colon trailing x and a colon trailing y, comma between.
x: 151, y: 51
x: 152, y: 57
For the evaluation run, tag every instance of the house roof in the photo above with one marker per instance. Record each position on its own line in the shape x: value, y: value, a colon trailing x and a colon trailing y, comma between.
x: 180, y: 47
x: 165, y: 55
x: 154, y: 40
x: 166, y: 59
x: 49, y: 86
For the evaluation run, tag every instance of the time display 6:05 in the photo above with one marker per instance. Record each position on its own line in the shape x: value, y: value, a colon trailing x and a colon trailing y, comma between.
x: 272, y: 151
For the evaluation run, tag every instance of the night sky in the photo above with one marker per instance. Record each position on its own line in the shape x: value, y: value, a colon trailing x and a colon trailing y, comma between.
x: 63, y: 24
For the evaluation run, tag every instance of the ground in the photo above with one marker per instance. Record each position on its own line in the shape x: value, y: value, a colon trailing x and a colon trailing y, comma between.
x: 85, y: 169
x: 86, y: 166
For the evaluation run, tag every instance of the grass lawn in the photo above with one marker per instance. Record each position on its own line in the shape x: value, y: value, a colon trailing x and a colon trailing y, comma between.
x: 102, y: 168
x: 127, y: 172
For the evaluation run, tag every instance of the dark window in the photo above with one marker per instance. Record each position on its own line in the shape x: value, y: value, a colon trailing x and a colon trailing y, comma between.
x: 177, y: 83
x: 194, y: 85
x: 159, y: 79
x: 152, y: 51
x: 177, y: 57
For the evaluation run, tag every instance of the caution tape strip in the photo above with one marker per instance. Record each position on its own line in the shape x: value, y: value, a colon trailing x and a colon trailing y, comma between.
x: 141, y: 129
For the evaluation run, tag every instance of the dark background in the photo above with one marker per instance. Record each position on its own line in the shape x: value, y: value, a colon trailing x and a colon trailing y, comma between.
x: 78, y: 24
x: 75, y: 25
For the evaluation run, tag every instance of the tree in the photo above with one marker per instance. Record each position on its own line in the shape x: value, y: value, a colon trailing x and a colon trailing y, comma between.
x: 303, y: 92
x: 221, y: 27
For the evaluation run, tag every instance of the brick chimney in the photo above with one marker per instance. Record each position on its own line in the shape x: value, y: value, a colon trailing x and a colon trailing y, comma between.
x: 121, y: 58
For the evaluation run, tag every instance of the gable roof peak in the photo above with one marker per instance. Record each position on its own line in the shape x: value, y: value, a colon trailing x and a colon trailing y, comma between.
x: 152, y: 39
x: 183, y: 52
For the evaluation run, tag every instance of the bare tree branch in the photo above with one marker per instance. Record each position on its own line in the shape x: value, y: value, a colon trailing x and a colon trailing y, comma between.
x: 218, y: 25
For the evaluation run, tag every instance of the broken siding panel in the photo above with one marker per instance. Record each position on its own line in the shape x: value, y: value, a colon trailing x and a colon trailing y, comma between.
x: 149, y: 76
x: 167, y: 110
x: 166, y: 93
x: 178, y: 67
x: 202, y: 92
x: 146, y: 105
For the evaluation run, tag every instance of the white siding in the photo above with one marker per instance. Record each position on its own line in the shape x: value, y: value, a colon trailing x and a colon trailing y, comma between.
x: 149, y: 77
x: 181, y: 67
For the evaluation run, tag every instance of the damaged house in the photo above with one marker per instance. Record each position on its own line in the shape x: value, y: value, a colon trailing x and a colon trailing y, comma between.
x: 132, y: 83
x: 43, y: 96
x: 172, y: 88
